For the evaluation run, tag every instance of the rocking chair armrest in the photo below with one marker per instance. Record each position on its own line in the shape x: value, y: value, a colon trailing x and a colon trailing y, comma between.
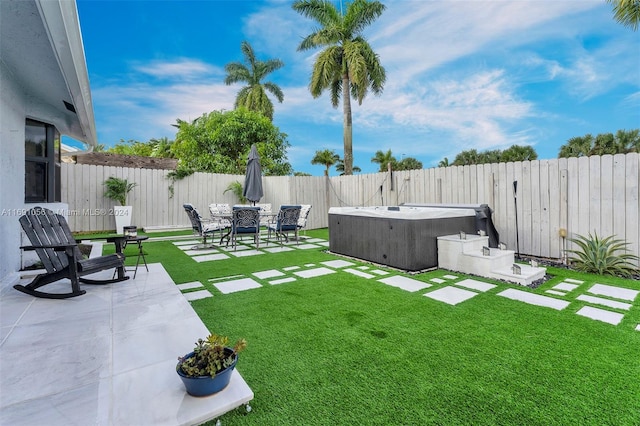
x: 56, y: 247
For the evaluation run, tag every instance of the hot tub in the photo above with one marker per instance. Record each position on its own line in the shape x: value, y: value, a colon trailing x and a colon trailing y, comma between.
x: 400, y: 237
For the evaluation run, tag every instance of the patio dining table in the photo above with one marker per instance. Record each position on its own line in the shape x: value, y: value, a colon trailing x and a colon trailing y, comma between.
x: 265, y: 217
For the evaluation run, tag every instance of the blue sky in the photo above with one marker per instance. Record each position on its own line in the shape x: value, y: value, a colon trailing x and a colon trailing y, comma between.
x: 460, y: 74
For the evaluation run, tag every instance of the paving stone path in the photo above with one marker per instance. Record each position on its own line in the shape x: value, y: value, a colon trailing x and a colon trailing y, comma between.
x: 600, y: 302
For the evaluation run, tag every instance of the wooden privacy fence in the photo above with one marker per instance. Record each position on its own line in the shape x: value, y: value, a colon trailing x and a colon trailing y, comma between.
x: 580, y: 195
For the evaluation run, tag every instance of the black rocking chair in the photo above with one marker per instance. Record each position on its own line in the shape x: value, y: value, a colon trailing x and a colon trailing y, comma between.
x: 52, y: 240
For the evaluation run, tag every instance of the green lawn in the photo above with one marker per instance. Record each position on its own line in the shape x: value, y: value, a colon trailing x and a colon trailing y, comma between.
x: 340, y: 349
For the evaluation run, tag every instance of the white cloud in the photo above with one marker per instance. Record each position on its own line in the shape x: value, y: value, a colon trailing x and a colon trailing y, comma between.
x: 182, y: 68
x: 134, y: 108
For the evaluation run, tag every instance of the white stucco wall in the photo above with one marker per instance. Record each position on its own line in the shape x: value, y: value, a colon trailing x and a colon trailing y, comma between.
x: 12, y: 126
x: 13, y: 113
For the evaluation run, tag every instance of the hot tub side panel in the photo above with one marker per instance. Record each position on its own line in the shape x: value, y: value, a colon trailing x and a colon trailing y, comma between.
x: 405, y: 244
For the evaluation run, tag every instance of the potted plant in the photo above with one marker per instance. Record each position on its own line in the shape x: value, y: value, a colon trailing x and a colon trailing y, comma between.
x: 117, y: 189
x: 208, y: 368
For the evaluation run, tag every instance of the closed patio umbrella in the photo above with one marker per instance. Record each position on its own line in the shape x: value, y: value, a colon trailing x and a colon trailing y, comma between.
x: 252, y: 190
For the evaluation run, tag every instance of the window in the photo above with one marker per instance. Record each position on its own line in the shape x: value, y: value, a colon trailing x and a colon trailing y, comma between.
x: 42, y: 162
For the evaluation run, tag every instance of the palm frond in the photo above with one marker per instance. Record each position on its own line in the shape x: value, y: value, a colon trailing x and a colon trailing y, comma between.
x: 321, y: 11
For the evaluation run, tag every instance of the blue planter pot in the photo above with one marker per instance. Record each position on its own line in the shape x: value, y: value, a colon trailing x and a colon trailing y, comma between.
x: 205, y: 385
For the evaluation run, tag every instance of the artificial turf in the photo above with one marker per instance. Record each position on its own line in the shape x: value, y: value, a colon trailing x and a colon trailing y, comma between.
x: 341, y: 349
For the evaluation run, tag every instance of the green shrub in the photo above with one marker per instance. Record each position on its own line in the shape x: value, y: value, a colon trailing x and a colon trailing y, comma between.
x: 606, y: 256
x: 236, y: 188
x: 117, y: 189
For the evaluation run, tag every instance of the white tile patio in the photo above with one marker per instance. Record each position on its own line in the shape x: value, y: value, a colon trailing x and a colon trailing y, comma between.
x: 85, y: 362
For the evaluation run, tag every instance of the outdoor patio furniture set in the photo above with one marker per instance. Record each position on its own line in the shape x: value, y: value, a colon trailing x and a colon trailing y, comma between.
x: 233, y: 223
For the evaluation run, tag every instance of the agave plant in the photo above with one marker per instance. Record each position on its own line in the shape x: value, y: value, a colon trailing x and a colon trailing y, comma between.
x: 604, y: 256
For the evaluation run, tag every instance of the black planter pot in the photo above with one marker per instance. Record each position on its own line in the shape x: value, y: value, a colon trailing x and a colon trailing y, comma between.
x: 205, y: 385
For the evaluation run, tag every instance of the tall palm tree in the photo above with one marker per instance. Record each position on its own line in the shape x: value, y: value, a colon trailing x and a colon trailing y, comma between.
x: 627, y: 12
x: 347, y: 66
x: 327, y: 158
x: 254, y: 96
x: 444, y: 162
x: 384, y: 158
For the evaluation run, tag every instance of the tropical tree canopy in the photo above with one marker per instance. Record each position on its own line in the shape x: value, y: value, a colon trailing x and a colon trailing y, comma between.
x: 253, y: 96
x: 409, y: 163
x: 348, y: 66
x: 627, y: 12
x: 340, y: 167
x: 160, y: 148
x: 623, y: 142
x: 219, y: 142
x: 384, y: 159
x: 327, y: 158
x: 513, y: 153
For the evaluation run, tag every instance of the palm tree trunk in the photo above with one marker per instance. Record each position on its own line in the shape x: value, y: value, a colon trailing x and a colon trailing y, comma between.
x: 347, y: 126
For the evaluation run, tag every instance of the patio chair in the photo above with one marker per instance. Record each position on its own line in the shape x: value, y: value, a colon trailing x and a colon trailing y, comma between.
x: 245, y: 221
x: 52, y: 240
x: 265, y: 214
x: 221, y: 213
x: 304, y: 215
x: 285, y: 222
x: 204, y: 228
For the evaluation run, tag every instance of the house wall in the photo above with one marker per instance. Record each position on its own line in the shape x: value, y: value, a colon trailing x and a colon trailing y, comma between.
x: 12, y: 126
x: 14, y: 109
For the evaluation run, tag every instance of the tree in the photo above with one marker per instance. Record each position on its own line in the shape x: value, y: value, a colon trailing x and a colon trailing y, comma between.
x: 254, y: 96
x: 347, y: 66
x: 219, y: 142
x: 340, y: 167
x: 628, y: 141
x: 160, y: 148
x: 444, y: 162
x: 466, y: 158
x: 409, y: 163
x: 513, y: 153
x: 491, y: 156
x: 518, y: 153
x: 627, y: 12
x: 623, y: 142
x: 327, y: 158
x: 384, y: 159
x: 579, y: 146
